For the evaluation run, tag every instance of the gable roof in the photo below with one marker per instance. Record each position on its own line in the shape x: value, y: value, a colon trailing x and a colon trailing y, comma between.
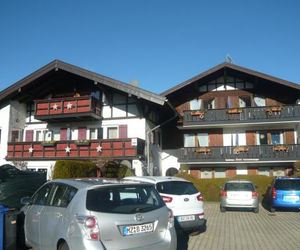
x: 233, y: 67
x: 60, y: 65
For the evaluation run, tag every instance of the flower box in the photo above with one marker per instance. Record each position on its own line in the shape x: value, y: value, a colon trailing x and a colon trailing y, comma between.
x: 234, y: 111
x: 82, y: 142
x: 203, y: 150
x: 48, y: 143
x: 240, y: 149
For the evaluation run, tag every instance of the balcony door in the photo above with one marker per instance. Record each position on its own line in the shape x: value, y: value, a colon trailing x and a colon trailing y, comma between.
x: 234, y: 138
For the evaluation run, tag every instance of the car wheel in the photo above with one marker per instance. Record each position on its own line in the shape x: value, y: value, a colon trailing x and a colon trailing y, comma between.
x: 256, y: 210
x: 223, y: 209
x: 63, y: 246
x: 272, y: 209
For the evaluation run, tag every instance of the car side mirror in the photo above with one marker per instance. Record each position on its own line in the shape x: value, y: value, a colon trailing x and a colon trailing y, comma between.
x: 26, y: 200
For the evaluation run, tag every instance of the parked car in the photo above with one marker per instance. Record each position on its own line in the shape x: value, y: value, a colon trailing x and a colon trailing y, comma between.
x: 97, y: 214
x: 183, y: 198
x: 284, y: 192
x: 239, y: 194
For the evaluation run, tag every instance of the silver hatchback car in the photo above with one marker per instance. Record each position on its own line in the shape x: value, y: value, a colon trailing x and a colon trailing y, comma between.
x: 239, y: 194
x: 80, y: 214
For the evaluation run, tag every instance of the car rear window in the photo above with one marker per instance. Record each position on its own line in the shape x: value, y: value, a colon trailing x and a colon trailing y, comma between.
x: 291, y: 184
x: 240, y: 186
x: 124, y: 199
x: 176, y: 187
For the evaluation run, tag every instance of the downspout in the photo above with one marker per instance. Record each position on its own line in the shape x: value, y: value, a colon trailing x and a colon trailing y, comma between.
x: 150, y: 170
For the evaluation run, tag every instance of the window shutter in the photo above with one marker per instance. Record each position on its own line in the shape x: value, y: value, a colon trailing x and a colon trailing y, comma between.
x: 82, y: 133
x: 29, y: 135
x: 63, y: 134
x: 123, y: 131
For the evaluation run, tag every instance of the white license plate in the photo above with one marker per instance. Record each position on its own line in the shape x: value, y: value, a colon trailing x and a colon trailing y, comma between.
x: 186, y: 218
x: 291, y: 198
x: 136, y: 229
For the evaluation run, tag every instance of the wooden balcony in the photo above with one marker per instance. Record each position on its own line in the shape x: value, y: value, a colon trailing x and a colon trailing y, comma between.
x: 85, y: 149
x: 241, y: 115
x: 290, y: 152
x: 68, y: 108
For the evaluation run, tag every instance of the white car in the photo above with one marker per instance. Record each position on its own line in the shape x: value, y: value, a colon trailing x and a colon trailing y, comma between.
x: 182, y: 198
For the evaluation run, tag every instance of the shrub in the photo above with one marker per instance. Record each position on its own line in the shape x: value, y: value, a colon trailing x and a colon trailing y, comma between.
x: 210, y: 188
x: 74, y: 169
x: 115, y: 170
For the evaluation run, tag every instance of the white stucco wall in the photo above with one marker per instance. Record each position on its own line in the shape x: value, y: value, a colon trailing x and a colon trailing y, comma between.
x: 135, y: 127
x: 4, y: 126
x: 168, y: 160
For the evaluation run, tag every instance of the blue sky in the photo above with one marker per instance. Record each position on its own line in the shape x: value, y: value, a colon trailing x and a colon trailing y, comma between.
x: 160, y: 43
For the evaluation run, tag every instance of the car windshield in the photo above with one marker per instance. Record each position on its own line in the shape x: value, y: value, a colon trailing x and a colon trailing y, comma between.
x: 124, y: 199
x: 176, y: 187
x: 239, y: 186
x: 291, y: 184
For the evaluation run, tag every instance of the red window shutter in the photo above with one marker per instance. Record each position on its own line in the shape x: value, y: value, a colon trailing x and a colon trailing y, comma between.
x: 81, y: 133
x: 63, y: 134
x: 29, y: 135
x: 123, y: 131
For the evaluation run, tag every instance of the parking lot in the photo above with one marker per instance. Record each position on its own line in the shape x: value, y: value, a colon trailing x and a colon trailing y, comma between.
x: 246, y: 230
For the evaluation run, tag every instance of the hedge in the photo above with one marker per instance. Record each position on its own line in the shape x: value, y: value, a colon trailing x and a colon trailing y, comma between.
x: 74, y: 169
x: 210, y: 188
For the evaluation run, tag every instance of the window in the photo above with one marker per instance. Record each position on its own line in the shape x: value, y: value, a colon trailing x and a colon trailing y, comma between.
x: 189, y: 140
x: 244, y: 101
x: 276, y: 138
x: 259, y: 101
x: 15, y: 136
x: 63, y: 194
x: 202, y: 139
x: 209, y: 104
x: 42, y: 196
x: 176, y: 187
x: 263, y: 138
x: 112, y: 133
x: 125, y: 199
x: 195, y: 104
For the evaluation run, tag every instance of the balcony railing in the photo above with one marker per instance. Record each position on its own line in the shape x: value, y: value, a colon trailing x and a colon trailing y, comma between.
x: 242, y: 115
x: 240, y: 153
x: 84, y: 149
x: 68, y: 107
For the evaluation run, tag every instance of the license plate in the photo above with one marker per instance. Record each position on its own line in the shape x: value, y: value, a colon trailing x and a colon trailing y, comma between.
x: 291, y: 198
x: 137, y: 229
x: 186, y: 218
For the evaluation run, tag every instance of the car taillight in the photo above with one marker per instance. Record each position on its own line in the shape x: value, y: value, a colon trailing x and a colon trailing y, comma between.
x: 201, y: 216
x: 274, y: 193
x: 254, y: 194
x: 200, y: 197
x: 223, y: 193
x: 90, y: 227
x: 167, y: 199
x: 170, y: 219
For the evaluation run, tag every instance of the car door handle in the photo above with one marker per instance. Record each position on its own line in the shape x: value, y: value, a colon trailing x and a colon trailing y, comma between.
x: 58, y: 215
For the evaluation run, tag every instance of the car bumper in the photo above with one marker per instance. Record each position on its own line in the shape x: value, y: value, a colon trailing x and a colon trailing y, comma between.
x: 281, y: 204
x: 228, y: 203
x: 197, y: 225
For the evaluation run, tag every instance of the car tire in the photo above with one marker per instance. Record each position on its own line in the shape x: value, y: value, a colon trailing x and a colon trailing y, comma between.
x: 223, y: 209
x: 272, y: 209
x: 63, y: 246
x: 256, y: 210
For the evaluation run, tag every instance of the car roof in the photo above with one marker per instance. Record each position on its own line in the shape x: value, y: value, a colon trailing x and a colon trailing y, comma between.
x: 154, y: 179
x: 287, y: 178
x: 81, y: 183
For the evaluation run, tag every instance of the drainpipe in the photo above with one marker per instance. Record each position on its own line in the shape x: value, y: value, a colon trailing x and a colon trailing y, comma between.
x: 150, y: 170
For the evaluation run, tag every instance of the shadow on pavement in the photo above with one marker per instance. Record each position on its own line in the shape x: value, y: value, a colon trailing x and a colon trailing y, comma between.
x: 182, y: 241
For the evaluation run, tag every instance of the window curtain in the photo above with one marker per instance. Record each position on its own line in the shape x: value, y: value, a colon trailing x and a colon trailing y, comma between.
x: 259, y: 101
x: 189, y: 140
x: 202, y: 139
x: 195, y: 104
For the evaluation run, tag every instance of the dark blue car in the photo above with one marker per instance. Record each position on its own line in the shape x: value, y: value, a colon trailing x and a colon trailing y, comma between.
x: 284, y: 193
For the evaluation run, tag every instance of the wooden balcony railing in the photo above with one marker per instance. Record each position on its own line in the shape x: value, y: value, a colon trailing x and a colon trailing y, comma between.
x: 240, y: 115
x: 287, y: 152
x: 84, y: 149
x: 68, y: 107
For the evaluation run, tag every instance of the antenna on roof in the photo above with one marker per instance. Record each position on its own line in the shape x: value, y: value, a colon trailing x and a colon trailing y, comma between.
x: 228, y: 58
